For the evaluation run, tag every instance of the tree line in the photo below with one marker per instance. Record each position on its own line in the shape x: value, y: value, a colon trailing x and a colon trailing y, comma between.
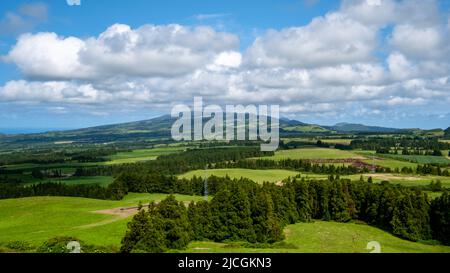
x: 242, y: 210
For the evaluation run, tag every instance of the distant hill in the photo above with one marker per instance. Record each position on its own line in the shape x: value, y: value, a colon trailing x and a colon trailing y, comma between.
x: 156, y: 128
x: 360, y: 128
x: 447, y: 132
x: 159, y: 128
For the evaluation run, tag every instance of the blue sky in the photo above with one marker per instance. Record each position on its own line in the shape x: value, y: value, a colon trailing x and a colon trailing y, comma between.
x: 321, y: 61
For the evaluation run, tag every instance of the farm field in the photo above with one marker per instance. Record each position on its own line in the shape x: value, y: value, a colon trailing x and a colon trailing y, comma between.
x: 37, y: 219
x: 404, y: 180
x: 141, y: 155
x: 326, y: 237
x: 325, y: 140
x: 89, y: 180
x: 258, y: 176
x: 119, y: 158
x: 313, y: 153
x: 421, y: 159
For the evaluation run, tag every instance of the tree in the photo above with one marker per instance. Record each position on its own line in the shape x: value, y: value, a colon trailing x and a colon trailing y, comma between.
x: 37, y: 174
x: 303, y: 200
x: 447, y: 132
x: 266, y: 225
x: 338, y: 205
x: 440, y: 218
x: 175, y: 223
x: 410, y: 218
x: 137, y: 229
x: 200, y: 218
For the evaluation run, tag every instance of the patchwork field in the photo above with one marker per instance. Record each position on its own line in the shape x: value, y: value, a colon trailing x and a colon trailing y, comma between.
x: 37, y: 219
x: 259, y: 176
x: 314, y: 153
x: 326, y: 237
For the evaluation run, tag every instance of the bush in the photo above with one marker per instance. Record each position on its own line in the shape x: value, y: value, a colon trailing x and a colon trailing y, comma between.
x: 57, y: 245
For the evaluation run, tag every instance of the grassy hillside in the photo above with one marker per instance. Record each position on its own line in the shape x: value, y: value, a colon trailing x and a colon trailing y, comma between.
x: 37, y: 219
x: 326, y: 237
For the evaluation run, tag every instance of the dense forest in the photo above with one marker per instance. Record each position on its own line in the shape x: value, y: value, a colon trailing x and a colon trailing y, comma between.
x: 242, y: 210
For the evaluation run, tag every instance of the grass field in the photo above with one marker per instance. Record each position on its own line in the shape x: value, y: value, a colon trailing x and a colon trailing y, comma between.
x: 404, y: 180
x: 314, y: 140
x: 258, y: 176
x: 313, y: 153
x: 141, y: 155
x: 37, y: 219
x: 420, y: 159
x: 91, y: 180
x: 326, y: 237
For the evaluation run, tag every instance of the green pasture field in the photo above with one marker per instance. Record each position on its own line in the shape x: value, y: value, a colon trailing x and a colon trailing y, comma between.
x: 258, y: 176
x: 312, y: 153
x: 314, y: 140
x: 141, y: 155
x: 37, y: 219
x: 325, y: 237
x: 404, y: 180
x: 88, y: 180
x: 420, y: 159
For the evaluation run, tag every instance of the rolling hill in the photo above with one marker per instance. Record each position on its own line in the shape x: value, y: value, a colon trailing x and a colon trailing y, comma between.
x: 159, y: 128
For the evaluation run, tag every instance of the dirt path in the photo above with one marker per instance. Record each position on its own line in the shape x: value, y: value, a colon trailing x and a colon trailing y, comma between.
x: 119, y: 213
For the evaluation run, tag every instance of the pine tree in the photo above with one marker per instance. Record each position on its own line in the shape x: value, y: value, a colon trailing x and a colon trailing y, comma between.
x: 136, y: 231
x: 266, y: 225
x: 440, y: 218
x: 303, y: 200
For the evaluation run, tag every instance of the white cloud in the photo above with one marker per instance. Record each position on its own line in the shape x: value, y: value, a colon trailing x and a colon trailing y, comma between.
x: 400, y: 67
x: 330, y: 40
x: 148, y: 51
x: 428, y: 42
x: 394, y: 101
x: 338, y: 65
x: 45, y: 55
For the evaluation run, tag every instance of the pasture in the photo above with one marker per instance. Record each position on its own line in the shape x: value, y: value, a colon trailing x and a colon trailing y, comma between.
x: 313, y: 153
x: 404, y: 180
x: 258, y: 176
x: 141, y: 155
x: 88, y: 180
x: 325, y: 237
x: 37, y: 219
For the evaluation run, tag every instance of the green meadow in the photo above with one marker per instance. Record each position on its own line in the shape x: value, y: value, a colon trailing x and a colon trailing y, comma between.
x: 88, y: 180
x: 258, y: 176
x: 141, y: 155
x: 37, y: 219
x: 313, y: 153
x: 404, y: 180
x: 325, y: 237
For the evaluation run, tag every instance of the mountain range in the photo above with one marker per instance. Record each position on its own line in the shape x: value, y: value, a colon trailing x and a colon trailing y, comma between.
x: 159, y: 128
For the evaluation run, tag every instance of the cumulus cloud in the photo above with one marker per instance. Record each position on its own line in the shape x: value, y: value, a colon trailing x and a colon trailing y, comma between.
x: 330, y: 40
x: 148, y: 51
x: 345, y: 63
x: 421, y: 43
